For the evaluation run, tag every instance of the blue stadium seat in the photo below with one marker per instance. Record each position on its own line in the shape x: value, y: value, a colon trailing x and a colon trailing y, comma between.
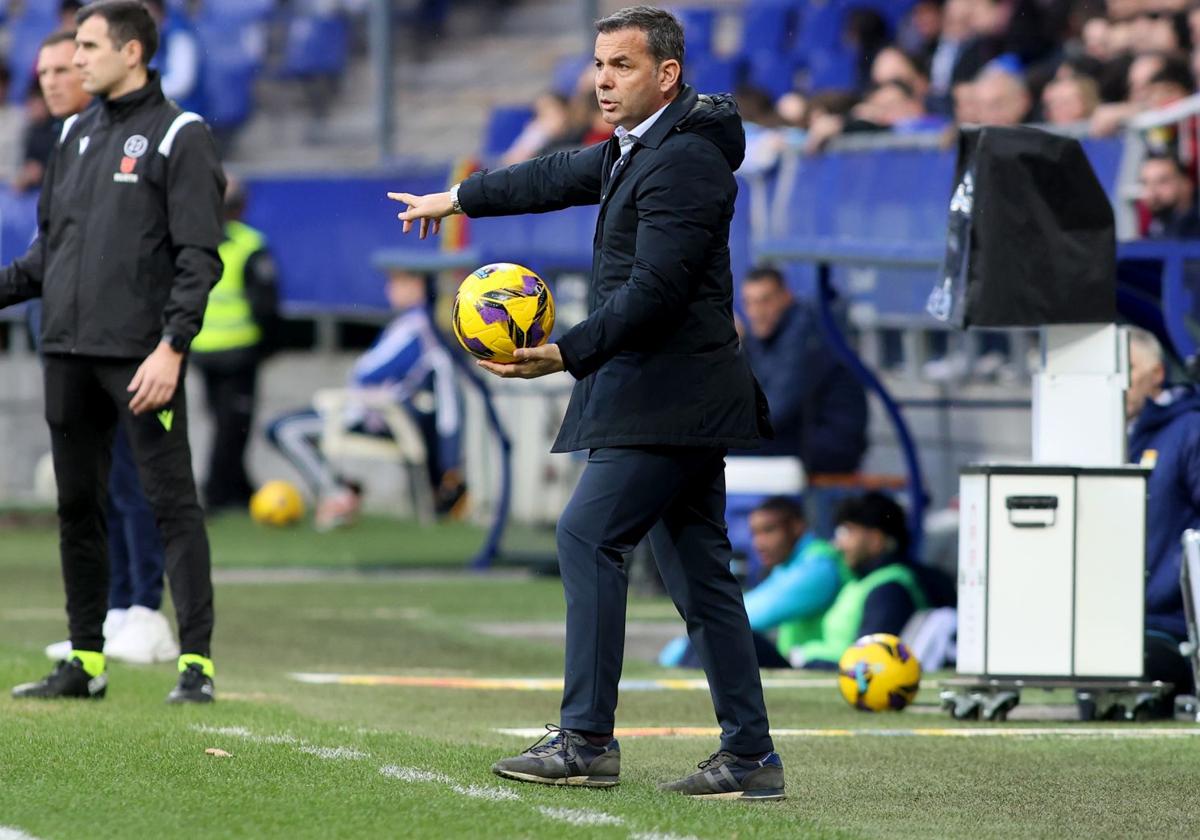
x: 504, y: 124
x: 237, y: 10
x: 699, y: 26
x: 713, y: 75
x: 771, y: 71
x: 317, y: 45
x: 27, y: 30
x: 567, y: 71
x: 233, y: 58
x: 768, y: 27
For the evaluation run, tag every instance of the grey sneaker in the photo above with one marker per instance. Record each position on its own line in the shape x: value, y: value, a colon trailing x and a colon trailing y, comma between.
x: 725, y: 776
x: 566, y: 759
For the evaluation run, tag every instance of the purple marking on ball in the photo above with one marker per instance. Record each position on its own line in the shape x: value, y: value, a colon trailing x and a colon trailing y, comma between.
x: 478, y: 348
x: 530, y: 283
x: 536, y: 335
x: 897, y: 701
x: 492, y: 314
x: 902, y: 652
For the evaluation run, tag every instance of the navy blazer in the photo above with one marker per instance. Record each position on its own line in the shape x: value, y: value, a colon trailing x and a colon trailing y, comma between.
x: 657, y: 359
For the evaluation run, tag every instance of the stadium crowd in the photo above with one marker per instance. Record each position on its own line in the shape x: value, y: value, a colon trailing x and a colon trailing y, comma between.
x: 916, y: 66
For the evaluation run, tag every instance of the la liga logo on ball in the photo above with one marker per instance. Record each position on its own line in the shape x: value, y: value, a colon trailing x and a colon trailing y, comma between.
x: 878, y: 673
x: 501, y: 308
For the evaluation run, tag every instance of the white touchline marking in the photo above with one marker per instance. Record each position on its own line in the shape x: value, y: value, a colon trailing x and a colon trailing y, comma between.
x: 483, y: 792
x: 658, y: 835
x: 7, y: 833
x: 576, y: 816
x: 334, y: 753
x: 235, y: 731
x: 410, y: 774
x: 1119, y: 732
x: 413, y: 774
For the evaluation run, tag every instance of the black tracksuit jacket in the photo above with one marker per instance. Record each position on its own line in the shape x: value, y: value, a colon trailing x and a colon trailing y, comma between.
x: 129, y: 222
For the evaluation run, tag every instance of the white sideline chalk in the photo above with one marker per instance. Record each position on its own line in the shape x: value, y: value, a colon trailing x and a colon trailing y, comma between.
x: 334, y: 753
x: 1123, y: 731
x: 658, y: 835
x: 411, y: 774
x: 7, y: 833
x: 576, y: 816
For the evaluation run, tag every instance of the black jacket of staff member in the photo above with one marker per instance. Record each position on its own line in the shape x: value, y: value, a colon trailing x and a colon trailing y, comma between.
x: 658, y: 361
x: 114, y: 272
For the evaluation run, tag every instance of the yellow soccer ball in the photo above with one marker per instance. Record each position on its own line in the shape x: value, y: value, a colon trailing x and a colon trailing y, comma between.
x: 277, y: 503
x: 878, y: 673
x: 502, y: 307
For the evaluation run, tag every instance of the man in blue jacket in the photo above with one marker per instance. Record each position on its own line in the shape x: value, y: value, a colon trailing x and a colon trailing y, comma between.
x: 1165, y: 436
x: 662, y: 392
x: 818, y: 407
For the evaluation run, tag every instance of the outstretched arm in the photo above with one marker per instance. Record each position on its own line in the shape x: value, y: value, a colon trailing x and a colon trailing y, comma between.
x: 551, y: 182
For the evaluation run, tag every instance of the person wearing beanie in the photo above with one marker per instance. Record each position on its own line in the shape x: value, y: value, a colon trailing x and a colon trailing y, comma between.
x: 884, y: 591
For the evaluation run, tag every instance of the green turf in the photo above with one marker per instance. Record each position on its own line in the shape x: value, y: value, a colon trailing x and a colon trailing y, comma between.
x: 130, y: 766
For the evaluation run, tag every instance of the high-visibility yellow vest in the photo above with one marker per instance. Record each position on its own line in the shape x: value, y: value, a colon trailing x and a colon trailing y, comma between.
x: 228, y: 320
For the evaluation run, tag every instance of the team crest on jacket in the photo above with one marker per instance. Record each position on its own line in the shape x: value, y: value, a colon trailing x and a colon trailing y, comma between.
x: 136, y: 146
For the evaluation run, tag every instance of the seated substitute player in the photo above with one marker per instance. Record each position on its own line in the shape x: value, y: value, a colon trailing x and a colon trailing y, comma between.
x: 407, y: 360
x: 1165, y: 436
x: 804, y: 576
x: 884, y: 591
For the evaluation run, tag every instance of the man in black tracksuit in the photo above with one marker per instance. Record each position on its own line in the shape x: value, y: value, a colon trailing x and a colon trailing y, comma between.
x: 129, y: 223
x: 662, y: 392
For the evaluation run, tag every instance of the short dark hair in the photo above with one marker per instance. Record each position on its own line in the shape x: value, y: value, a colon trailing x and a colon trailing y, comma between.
x: 1175, y: 70
x: 128, y: 20
x: 664, y: 35
x: 784, y: 505
x: 905, y: 89
x: 62, y: 36
x: 1170, y: 158
x: 765, y: 272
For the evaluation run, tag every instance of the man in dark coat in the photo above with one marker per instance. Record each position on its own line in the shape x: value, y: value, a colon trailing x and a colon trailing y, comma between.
x: 662, y: 392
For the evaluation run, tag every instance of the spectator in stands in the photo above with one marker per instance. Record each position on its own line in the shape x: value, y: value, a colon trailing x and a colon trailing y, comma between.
x: 896, y: 107
x: 407, y: 361
x: 1070, y: 100
x: 1169, y: 198
x: 1109, y: 117
x: 180, y: 59
x: 920, y: 28
x: 1002, y: 97
x: 803, y: 575
x: 549, y: 126
x: 66, y: 14
x: 884, y: 591
x: 764, y: 140
x: 1172, y: 82
x: 943, y: 63
x: 237, y: 334
x: 894, y: 65
x: 818, y: 407
x: 1164, y: 436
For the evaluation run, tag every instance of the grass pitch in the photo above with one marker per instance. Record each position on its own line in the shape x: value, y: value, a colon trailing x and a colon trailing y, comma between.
x: 379, y: 761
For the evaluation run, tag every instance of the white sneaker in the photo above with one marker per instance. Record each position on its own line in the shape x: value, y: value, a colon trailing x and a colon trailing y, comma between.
x: 113, y: 621
x: 144, y: 638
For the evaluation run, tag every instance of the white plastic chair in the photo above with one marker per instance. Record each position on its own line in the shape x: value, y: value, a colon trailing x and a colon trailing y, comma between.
x: 405, y: 448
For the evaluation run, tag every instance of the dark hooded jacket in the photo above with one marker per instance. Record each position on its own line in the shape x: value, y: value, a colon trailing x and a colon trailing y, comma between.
x: 657, y: 360
x: 1166, y: 436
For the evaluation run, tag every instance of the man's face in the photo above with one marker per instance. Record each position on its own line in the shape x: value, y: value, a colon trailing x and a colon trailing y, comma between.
x: 1146, y: 377
x: 630, y: 86
x: 62, y: 86
x: 405, y: 289
x: 1063, y: 102
x: 103, y: 67
x: 1163, y: 187
x: 774, y: 535
x: 858, y: 544
x: 764, y: 302
x: 1001, y: 99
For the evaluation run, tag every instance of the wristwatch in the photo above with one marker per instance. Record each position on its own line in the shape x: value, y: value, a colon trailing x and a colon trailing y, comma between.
x: 176, y: 342
x: 455, y: 207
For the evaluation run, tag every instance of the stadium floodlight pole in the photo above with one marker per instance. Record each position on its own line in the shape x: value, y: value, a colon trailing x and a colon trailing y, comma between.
x: 385, y: 88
